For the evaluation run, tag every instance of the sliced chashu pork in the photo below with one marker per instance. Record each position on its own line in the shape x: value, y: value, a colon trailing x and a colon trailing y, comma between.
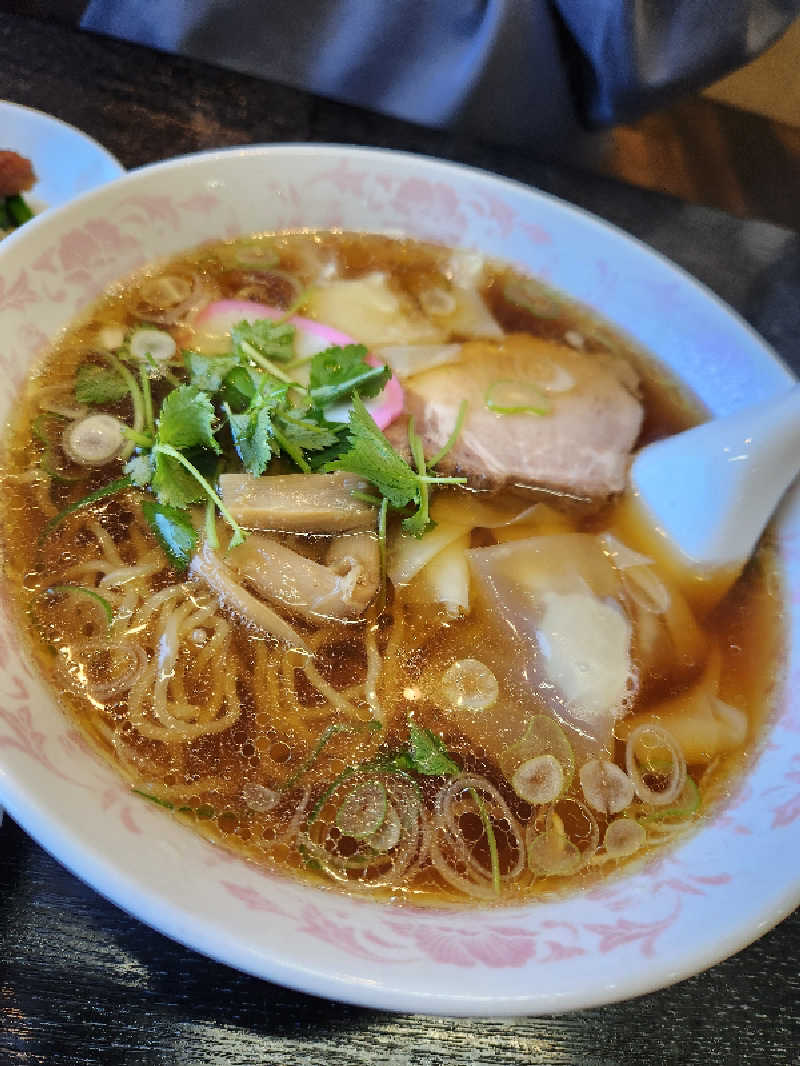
x: 581, y: 446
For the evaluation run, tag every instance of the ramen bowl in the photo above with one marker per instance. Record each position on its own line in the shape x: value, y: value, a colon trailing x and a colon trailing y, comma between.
x: 669, y: 917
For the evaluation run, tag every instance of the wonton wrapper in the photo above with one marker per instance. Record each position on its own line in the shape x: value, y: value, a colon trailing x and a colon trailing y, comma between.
x: 567, y: 639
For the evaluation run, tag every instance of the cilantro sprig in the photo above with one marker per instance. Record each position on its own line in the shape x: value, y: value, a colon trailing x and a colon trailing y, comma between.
x: 174, y: 532
x: 247, y: 398
x: 264, y: 341
x: 186, y: 426
x: 99, y: 385
x: 271, y: 422
x: 339, y: 373
x: 425, y: 754
x: 372, y: 456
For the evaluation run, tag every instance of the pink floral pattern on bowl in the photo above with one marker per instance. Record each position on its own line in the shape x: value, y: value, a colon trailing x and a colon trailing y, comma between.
x: 671, y: 917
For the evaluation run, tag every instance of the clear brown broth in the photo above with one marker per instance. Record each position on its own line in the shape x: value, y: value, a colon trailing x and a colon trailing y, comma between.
x: 268, y: 744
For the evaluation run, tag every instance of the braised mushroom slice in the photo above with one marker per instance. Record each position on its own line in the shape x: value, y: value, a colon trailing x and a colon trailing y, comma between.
x: 342, y: 589
x: 208, y: 568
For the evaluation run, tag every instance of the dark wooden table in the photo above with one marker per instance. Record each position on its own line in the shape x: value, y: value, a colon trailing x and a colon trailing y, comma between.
x: 81, y: 981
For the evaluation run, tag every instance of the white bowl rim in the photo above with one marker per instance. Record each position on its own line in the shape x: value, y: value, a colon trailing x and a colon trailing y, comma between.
x: 75, y: 853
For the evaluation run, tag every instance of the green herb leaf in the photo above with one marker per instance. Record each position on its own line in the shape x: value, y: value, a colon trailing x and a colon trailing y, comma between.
x: 173, y: 530
x: 99, y: 385
x: 307, y: 433
x: 271, y: 392
x: 252, y: 434
x: 238, y: 388
x: 172, y: 483
x: 263, y: 339
x: 207, y: 372
x: 162, y: 451
x: 428, y: 753
x: 187, y: 419
x: 319, y: 460
x: 372, y: 457
x: 140, y: 470
x: 177, y: 484
x: 339, y: 372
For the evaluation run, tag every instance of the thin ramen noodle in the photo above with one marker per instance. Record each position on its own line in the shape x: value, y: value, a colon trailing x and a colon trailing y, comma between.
x: 420, y: 657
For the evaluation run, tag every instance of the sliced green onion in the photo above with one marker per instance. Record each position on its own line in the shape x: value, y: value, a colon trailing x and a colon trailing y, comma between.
x: 147, y: 400
x: 47, y: 462
x: 154, y: 799
x: 509, y: 397
x: 687, y: 804
x: 36, y: 426
x: 539, y: 780
x: 363, y: 810
x: 136, y: 399
x: 111, y: 489
x: 543, y: 736
x: 623, y: 837
x: 107, y: 608
x: 153, y: 346
x: 203, y: 811
x: 417, y: 451
x: 261, y: 255
x: 469, y: 685
x: 349, y: 771
x: 448, y: 444
x: 325, y: 736
x: 488, y: 828
x: 383, y: 550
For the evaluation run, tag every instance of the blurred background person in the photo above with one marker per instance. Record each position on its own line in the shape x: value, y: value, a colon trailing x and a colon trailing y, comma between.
x: 532, y: 73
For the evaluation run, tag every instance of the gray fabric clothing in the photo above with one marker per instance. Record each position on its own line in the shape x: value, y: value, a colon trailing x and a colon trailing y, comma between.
x: 519, y: 71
